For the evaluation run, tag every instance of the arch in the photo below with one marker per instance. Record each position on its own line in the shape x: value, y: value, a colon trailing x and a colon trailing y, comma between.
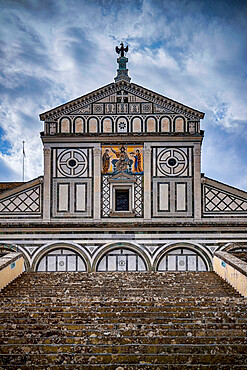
x: 179, y: 124
x: 79, y: 125
x: 122, y: 125
x: 65, y: 125
x: 165, y: 124
x: 16, y: 248
x: 151, y: 124
x: 136, y: 124
x: 115, y: 249
x: 60, y: 246
x: 93, y: 125
x: 195, y: 258
x: 233, y: 247
x: 107, y: 125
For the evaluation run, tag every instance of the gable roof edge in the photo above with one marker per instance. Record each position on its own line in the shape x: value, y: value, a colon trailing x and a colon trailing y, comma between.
x: 161, y: 99
x: 22, y: 187
x: 224, y: 187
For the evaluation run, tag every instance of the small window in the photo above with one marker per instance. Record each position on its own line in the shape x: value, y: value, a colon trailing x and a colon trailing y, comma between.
x: 122, y: 200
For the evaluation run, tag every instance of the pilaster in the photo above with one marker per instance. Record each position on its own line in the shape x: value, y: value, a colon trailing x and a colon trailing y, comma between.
x: 47, y: 185
x: 97, y: 182
x: 147, y: 181
x: 197, y: 181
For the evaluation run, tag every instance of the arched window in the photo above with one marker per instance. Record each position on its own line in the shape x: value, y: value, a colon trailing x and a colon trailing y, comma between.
x: 121, y: 260
x: 61, y: 259
x: 182, y: 259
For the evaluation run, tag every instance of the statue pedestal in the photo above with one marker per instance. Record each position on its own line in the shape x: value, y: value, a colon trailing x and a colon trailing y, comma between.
x: 122, y: 71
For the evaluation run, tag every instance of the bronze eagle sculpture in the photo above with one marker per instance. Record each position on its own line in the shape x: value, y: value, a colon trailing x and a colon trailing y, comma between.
x: 122, y: 49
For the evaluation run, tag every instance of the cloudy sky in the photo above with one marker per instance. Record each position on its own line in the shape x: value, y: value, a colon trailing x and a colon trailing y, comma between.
x: 194, y: 52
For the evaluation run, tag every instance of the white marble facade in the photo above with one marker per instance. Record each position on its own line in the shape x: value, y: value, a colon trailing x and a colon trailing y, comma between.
x: 122, y: 190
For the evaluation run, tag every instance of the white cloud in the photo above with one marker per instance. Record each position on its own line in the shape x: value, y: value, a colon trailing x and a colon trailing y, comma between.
x: 177, y: 48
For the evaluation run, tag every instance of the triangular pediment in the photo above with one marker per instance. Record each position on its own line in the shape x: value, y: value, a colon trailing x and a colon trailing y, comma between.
x: 141, y: 100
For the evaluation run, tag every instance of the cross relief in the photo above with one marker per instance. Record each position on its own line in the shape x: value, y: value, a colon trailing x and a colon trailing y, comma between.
x: 122, y: 96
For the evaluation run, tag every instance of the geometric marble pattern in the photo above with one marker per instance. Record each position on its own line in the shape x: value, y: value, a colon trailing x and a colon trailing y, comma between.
x: 138, y: 195
x: 72, y: 163
x: 31, y: 250
x: 105, y: 196
x: 219, y: 201
x: 27, y: 201
x: 172, y: 162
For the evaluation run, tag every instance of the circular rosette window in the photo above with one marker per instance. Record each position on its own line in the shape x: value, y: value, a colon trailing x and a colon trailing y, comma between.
x: 172, y: 162
x: 72, y: 163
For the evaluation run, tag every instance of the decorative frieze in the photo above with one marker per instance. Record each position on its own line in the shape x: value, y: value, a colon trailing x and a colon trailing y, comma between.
x: 161, y: 104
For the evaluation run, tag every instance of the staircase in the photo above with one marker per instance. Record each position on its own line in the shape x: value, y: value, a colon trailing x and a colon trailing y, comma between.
x: 180, y: 320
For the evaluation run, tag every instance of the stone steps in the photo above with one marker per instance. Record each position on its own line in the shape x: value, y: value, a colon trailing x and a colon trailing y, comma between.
x: 64, y: 359
x: 183, y: 327
x: 130, y: 348
x: 100, y: 338
x: 129, y: 366
x: 122, y: 320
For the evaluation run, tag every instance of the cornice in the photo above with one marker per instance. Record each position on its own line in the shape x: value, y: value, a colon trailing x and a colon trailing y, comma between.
x: 116, y: 138
x: 203, y: 226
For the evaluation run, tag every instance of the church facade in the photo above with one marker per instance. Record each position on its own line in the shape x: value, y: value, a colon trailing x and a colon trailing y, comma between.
x: 122, y: 188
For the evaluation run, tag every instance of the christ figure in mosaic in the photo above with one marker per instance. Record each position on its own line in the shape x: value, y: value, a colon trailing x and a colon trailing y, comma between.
x: 123, y: 161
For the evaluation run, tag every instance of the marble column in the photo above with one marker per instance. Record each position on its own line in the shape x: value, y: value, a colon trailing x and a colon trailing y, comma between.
x: 97, y: 182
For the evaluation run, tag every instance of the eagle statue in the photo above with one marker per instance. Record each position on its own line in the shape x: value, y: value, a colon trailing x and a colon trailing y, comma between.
x: 122, y: 49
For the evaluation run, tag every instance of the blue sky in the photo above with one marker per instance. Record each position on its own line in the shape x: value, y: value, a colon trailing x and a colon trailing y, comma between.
x: 194, y: 52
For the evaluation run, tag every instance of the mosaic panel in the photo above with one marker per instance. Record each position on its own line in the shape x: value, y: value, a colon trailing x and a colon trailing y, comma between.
x: 117, y: 158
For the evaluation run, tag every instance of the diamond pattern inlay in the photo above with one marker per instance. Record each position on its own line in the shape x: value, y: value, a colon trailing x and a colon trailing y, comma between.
x: 138, y: 196
x: 105, y: 196
x: 27, y: 201
x: 218, y: 201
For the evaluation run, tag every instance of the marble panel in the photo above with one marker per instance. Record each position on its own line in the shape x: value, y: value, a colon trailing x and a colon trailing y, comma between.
x: 92, y: 125
x: 63, y: 197
x: 107, y: 125
x: 179, y: 124
x: 165, y: 124
x: 181, y: 197
x: 80, y: 190
x: 65, y: 126
x: 163, y: 197
x: 151, y: 124
x: 79, y: 125
x: 137, y: 125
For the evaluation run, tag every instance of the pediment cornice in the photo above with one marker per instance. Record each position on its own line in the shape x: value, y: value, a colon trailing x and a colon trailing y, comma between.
x: 168, y: 104
x: 122, y: 177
